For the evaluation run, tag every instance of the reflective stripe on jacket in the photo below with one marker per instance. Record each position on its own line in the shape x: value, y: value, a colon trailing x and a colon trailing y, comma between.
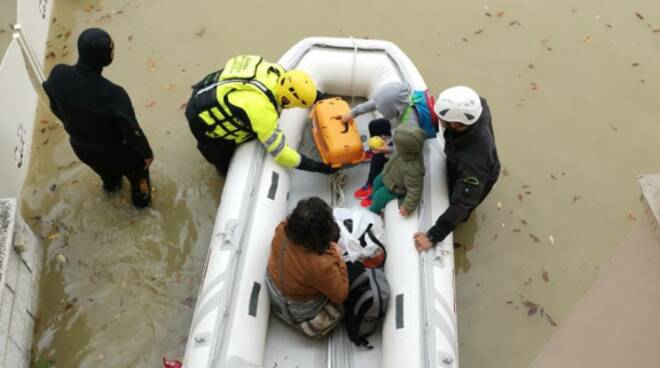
x: 239, y: 104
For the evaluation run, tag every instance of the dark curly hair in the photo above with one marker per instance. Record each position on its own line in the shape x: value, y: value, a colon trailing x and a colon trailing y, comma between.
x: 312, y: 225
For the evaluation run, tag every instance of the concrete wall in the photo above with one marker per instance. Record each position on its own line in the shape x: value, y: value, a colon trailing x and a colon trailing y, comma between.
x: 20, y: 260
x: 617, y: 323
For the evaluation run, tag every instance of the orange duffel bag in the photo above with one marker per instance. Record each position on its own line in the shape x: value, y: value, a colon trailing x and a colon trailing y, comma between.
x: 338, y: 143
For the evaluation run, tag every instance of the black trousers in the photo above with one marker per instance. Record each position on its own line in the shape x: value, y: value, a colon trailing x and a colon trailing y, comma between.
x: 378, y: 161
x: 139, y: 179
x: 218, y: 152
x: 113, y: 163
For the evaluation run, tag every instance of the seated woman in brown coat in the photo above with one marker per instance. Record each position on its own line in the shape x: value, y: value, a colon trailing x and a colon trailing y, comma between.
x: 307, y: 279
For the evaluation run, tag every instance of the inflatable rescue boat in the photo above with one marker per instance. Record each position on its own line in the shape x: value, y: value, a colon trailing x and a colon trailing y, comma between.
x: 232, y: 325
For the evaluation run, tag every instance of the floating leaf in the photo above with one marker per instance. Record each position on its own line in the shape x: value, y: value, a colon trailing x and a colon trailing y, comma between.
x: 201, y: 32
x: 534, y: 86
x: 500, y: 13
x: 509, y: 302
x: 531, y: 66
x: 479, y: 32
x: 150, y: 104
x: 151, y: 64
x: 529, y: 281
x: 514, y: 23
x: 532, y: 311
x: 608, y: 26
x: 495, y: 237
x: 523, y: 222
x: 634, y: 65
x: 529, y: 304
x: 553, y: 176
x: 130, y: 38
x: 520, y: 197
x: 587, y: 39
x: 516, y: 230
x: 546, y: 278
x: 189, y: 301
x: 551, y: 239
x: 576, y: 198
x: 61, y: 259
x: 525, y: 186
x: 656, y: 30
x: 552, y: 321
x: 535, y: 238
x: 488, y: 14
x: 640, y: 16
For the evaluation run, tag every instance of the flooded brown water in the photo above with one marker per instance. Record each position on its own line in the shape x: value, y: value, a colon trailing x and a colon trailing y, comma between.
x: 572, y: 88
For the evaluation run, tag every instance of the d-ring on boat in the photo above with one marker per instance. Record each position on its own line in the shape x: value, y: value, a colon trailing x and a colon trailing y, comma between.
x: 232, y: 324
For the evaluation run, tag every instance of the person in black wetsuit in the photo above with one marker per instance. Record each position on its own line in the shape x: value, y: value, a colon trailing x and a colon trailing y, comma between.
x: 472, y: 162
x: 99, y: 118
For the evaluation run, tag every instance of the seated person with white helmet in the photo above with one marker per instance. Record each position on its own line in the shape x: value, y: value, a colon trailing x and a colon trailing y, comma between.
x: 472, y: 163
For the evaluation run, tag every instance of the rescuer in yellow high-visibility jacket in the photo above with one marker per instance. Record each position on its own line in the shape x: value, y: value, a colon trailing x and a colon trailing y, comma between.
x: 243, y: 101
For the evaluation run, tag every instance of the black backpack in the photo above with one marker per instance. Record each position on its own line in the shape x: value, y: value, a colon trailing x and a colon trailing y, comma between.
x: 367, y: 302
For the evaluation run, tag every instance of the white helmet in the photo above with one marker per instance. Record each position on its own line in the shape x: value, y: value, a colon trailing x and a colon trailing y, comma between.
x: 458, y: 104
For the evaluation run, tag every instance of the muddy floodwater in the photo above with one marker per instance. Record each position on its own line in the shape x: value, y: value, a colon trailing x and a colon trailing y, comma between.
x: 573, y: 89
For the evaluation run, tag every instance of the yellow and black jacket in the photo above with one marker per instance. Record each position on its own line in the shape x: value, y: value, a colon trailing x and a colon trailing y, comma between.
x: 238, y: 104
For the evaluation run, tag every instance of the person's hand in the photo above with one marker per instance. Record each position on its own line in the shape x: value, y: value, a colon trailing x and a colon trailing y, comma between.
x: 384, y: 149
x: 422, y: 242
x: 147, y: 162
x: 307, y: 164
x: 345, y: 118
x: 335, y: 247
x: 403, y: 212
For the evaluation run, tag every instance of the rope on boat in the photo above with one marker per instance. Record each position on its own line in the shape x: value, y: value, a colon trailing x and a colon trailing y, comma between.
x: 338, y: 181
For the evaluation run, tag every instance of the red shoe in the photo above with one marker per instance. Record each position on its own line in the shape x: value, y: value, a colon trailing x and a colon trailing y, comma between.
x: 363, y: 192
x: 366, y: 202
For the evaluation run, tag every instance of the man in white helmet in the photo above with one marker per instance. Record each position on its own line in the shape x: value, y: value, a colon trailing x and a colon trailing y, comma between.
x: 472, y: 163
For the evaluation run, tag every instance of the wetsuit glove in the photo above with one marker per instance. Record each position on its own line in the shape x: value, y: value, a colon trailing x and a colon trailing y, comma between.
x: 307, y: 164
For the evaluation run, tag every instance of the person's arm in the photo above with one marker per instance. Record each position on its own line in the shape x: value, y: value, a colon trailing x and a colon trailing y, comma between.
x: 465, y: 197
x: 331, y: 278
x: 263, y: 118
x: 131, y: 131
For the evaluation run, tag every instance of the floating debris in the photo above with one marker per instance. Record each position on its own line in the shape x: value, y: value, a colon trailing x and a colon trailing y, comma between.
x: 150, y: 104
x: 61, y: 259
x: 587, y: 39
x: 514, y: 23
x: 535, y: 238
x: 550, y: 320
x: 201, y: 32
x: 639, y: 15
x: 499, y: 205
x: 534, y: 86
x: 576, y: 198
x: 520, y: 197
x: 631, y: 216
x: 500, y: 13
x: 545, y: 276
x: 551, y: 239
x: 634, y: 65
x: 151, y: 65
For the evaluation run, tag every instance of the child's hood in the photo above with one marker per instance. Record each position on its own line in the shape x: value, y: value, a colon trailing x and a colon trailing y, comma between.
x: 409, y: 141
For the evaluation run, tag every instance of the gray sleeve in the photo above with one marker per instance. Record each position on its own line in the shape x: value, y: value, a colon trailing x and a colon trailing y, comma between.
x: 363, y: 108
